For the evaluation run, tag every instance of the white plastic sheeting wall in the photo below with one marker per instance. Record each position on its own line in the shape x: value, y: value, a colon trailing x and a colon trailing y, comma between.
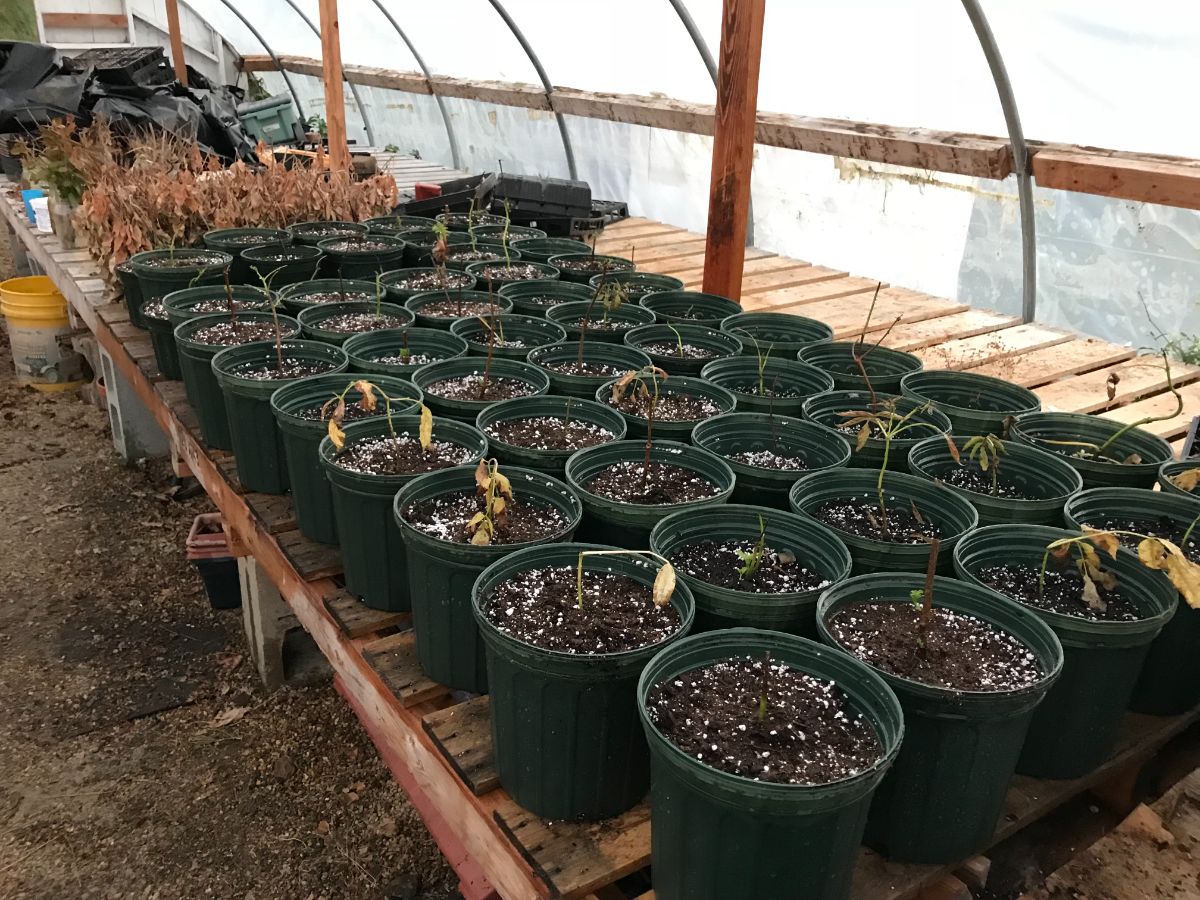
x: 1105, y: 73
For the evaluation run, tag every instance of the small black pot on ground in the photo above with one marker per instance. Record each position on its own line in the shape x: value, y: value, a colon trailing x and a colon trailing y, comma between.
x: 831, y: 411
x: 602, y: 327
x: 526, y: 380
x: 709, y: 401
x: 777, y: 386
x: 593, y: 763
x: 322, y: 291
x: 601, y: 362
x: 441, y: 309
x: 336, y: 323
x: 534, y: 298
x: 591, y: 423
x: 885, y: 366
x: 1044, y: 429
x: 771, y: 334
x: 401, y: 351
x: 281, y: 266
x: 691, y: 307
x: 756, y: 445
x: 974, y: 404
x: 683, y: 349
x: 640, y: 284
x: 404, y: 284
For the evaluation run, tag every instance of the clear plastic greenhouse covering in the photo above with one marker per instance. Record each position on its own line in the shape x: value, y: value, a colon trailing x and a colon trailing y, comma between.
x: 1109, y: 74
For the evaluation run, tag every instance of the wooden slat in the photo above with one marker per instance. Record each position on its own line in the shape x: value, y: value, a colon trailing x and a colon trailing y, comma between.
x: 642, y: 254
x: 758, y: 275
x: 464, y: 735
x: 968, y: 323
x: 357, y: 619
x: 275, y: 510
x: 684, y: 263
x: 1052, y: 363
x: 312, y: 560
x: 620, y: 245
x: 1161, y: 405
x: 972, y: 352
x: 1137, y: 378
x: 824, y: 284
x: 1174, y: 182
x: 85, y: 20
x: 395, y: 659
x: 847, y: 315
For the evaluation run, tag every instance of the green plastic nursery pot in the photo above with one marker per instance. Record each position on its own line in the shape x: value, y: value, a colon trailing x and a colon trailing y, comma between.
x: 1170, y: 679
x: 132, y: 289
x: 885, y: 366
x: 639, y: 426
x: 298, y: 263
x: 944, y: 796
x: 464, y: 222
x: 257, y: 447
x: 1167, y: 473
x: 816, y: 547
x: 442, y: 573
x: 302, y: 436
x: 312, y: 318
x: 564, y: 725
x: 195, y: 365
x: 418, y: 242
x: 541, y: 249
x: 368, y: 351
x: 528, y: 331
x: 738, y: 432
x: 362, y: 262
x: 1076, y: 726
x: 234, y: 240
x: 511, y: 233
x: 718, y: 343
x: 826, y: 410
x: 453, y: 283
x: 629, y: 524
x: 181, y: 305
x: 953, y: 515
x: 295, y: 297
x: 534, y: 298
x: 374, y: 559
x: 612, y: 356
x: 553, y: 462
x: 393, y: 225
x: 545, y: 271
x: 776, y: 334
x: 640, y: 284
x: 493, y: 249
x: 162, y: 339
x: 718, y: 836
x: 740, y: 374
x: 417, y: 303
x: 1041, y: 428
x: 309, y: 234
x: 469, y: 410
x: 691, y: 307
x: 974, y: 404
x: 570, y: 316
x: 1044, y: 478
x: 614, y: 264
x: 154, y: 281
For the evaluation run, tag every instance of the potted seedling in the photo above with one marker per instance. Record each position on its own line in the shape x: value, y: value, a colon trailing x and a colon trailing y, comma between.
x: 291, y: 263
x: 610, y: 327
x: 882, y: 427
x: 362, y: 255
x: 394, y: 226
x: 542, y: 432
x: 335, y: 323
x: 683, y: 349
x: 234, y: 240
x: 650, y: 400
x: 515, y: 335
x: 461, y: 388
x: 404, y: 284
x: 974, y: 404
x: 640, y: 284
x: 579, y: 367
x: 784, y: 333
x: 534, y: 298
x: 301, y: 295
x: 541, y: 249
x: 581, y: 268
x: 691, y: 307
x: 401, y: 351
x: 767, y: 383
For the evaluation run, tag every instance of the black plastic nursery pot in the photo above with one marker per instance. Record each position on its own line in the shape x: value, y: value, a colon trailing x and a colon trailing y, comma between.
x: 534, y: 298
x: 607, y: 360
x: 1044, y: 481
x: 418, y: 302
x: 296, y: 297
x: 131, y: 287
x: 564, y: 725
x: 885, y: 366
x: 257, y: 446
x: 1170, y: 470
x: 511, y: 233
x: 541, y: 249
x: 418, y: 242
x: 679, y: 429
x: 309, y: 234
x: 717, y: 343
x: 199, y: 381
x: 742, y: 432
x: 314, y: 319
x: 464, y: 222
x: 393, y: 225
x: 448, y: 281
x: 480, y: 271
x: 776, y: 334
x: 640, y: 284
x: 1041, y: 429
x: 302, y: 435
x: 926, y: 811
x: 718, y: 836
x: 199, y: 301
x: 526, y: 332
x: 156, y: 279
x: 360, y: 256
x: 234, y: 240
x: 1076, y: 726
x: 442, y: 573
x: 382, y: 352
x: 816, y: 548
x: 282, y: 266
x: 1170, y: 680
x: 571, y: 315
x: 610, y: 265
x: 552, y: 462
x: 691, y: 307
x: 741, y: 375
x: 162, y: 339
x: 374, y: 559
x: 629, y: 525
x: 469, y: 410
x: 952, y: 515
x: 974, y: 404
x: 491, y: 250
x: 826, y: 410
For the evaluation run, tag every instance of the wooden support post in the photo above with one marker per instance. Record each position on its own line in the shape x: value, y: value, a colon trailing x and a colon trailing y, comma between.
x: 335, y: 99
x: 176, y: 42
x: 733, y: 146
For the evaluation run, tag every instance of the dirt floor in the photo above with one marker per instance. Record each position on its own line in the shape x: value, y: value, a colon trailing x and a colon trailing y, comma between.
x: 141, y: 757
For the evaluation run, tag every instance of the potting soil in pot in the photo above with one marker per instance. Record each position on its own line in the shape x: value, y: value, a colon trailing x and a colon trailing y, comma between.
x: 285, y: 368
x: 400, y: 455
x: 412, y: 359
x: 970, y: 477
x: 447, y: 518
x: 1061, y: 590
x: 603, y: 324
x: 180, y: 261
x: 432, y: 280
x: 357, y: 323
x: 229, y: 333
x: 669, y: 407
x: 548, y: 433
x: 155, y: 310
x: 862, y: 516
x: 744, y: 566
x: 454, y: 308
x: 805, y: 732
x: 667, y: 350
x: 484, y: 337
x: 769, y: 459
x: 337, y: 297
x: 585, y: 368
x: 656, y: 484
x: 476, y: 387
x: 514, y: 272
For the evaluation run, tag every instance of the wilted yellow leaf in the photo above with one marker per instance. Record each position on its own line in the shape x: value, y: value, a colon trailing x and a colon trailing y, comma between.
x: 481, y: 538
x: 664, y: 585
x: 1060, y: 551
x: 864, y: 434
x: 1187, y: 481
x: 622, y: 383
x: 953, y: 448
x: 1152, y: 553
x: 367, y: 401
x: 1185, y: 576
x: 336, y: 434
x: 499, y: 507
x: 426, y: 429
x: 481, y: 476
x: 475, y: 520
x: 503, y: 485
x: 1091, y: 596
x: 1104, y: 540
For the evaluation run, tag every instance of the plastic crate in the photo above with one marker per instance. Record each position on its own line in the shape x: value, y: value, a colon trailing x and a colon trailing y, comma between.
x: 272, y: 121
x: 531, y: 197
x: 125, y: 65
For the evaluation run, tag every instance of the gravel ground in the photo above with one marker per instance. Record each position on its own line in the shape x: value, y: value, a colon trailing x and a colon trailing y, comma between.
x: 141, y: 756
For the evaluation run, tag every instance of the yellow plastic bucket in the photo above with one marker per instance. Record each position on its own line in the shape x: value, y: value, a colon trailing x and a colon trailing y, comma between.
x: 40, y: 334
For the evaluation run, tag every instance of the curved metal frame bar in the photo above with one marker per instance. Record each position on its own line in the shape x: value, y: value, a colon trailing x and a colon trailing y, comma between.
x: 271, y: 53
x: 362, y: 109
x: 1016, y: 137
x: 455, y: 158
x: 546, y: 85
